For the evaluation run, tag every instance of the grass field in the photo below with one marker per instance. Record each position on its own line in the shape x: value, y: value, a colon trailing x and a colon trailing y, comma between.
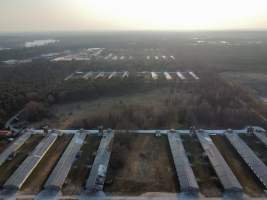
x: 208, y: 181
x: 249, y: 182
x: 80, y: 171
x: 40, y: 174
x: 10, y: 166
x: 140, y: 164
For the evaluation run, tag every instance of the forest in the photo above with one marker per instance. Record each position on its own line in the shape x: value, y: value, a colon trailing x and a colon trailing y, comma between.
x: 210, y: 103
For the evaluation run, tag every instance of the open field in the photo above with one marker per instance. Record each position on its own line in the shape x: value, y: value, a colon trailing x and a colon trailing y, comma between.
x: 80, y: 170
x: 257, y: 146
x: 36, y: 180
x: 66, y: 115
x: 249, y: 182
x: 11, y: 165
x: 140, y: 164
x: 209, y: 183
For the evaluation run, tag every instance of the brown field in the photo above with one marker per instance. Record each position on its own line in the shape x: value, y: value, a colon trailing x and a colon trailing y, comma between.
x: 140, y: 164
x: 209, y: 183
x: 40, y: 174
x: 80, y: 171
x: 10, y: 166
x: 257, y: 146
x: 242, y: 172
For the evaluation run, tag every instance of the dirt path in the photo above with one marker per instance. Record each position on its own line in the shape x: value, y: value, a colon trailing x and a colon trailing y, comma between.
x: 80, y: 171
x: 140, y: 164
x: 36, y: 180
x: 11, y: 165
x: 242, y: 172
x: 209, y: 183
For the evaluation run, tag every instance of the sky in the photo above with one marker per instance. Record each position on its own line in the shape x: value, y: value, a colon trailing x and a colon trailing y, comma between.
x: 102, y: 15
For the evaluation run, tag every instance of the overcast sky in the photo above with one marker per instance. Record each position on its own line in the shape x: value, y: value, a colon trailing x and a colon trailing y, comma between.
x: 78, y: 15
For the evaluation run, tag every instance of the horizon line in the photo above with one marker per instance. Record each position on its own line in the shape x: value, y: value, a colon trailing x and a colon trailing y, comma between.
x: 132, y: 30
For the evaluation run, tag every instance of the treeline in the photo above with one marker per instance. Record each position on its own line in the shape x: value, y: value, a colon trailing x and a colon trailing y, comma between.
x: 43, y: 84
x: 210, y: 104
x: 21, y: 84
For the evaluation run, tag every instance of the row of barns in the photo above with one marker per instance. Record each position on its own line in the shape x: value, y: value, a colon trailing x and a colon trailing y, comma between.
x: 96, y: 179
x: 146, y: 75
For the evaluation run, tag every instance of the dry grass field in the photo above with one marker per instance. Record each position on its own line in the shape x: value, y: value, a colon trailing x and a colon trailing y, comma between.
x: 140, y: 164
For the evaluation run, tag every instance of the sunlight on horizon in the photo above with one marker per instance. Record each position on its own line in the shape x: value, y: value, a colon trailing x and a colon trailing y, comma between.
x: 189, y: 14
x: 132, y: 15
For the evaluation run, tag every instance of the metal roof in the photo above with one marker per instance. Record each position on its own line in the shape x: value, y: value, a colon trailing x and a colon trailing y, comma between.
x: 223, y: 171
x: 14, y: 146
x: 25, y: 169
x: 102, y: 158
x: 184, y: 171
x: 60, y: 172
x: 255, y: 164
x: 261, y: 136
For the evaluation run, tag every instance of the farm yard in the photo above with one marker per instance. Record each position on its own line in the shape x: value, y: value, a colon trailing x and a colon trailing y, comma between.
x: 140, y: 163
x: 250, y: 184
x: 135, y: 88
x: 135, y: 169
x: 11, y: 165
x: 115, y: 55
x: 257, y: 146
x: 208, y: 181
x: 145, y: 75
x: 35, y: 182
x: 80, y: 169
x: 173, y: 107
